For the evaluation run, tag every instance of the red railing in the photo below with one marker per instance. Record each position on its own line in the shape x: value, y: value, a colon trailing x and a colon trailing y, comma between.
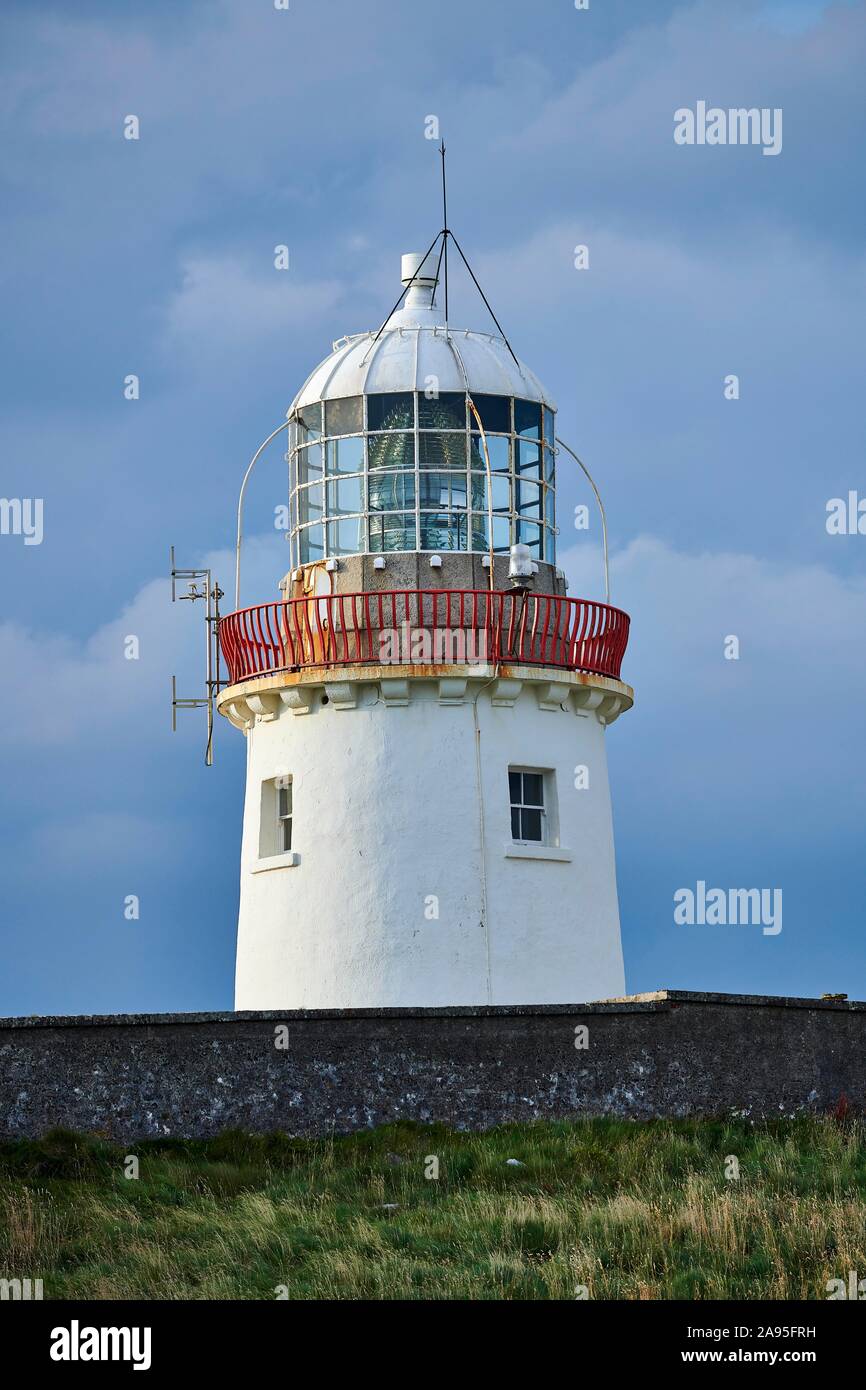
x: 425, y: 626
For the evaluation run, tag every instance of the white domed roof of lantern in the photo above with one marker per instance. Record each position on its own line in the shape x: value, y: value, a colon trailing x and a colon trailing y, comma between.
x: 414, y: 350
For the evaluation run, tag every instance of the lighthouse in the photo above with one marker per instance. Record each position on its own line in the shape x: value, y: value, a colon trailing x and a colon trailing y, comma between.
x: 427, y: 817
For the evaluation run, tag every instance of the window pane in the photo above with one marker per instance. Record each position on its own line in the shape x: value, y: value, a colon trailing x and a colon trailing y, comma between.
x: 527, y: 499
x: 286, y: 826
x: 345, y: 455
x: 391, y: 492
x: 529, y: 532
x: 531, y: 824
x: 284, y: 796
x: 515, y: 824
x: 528, y: 459
x: 549, y: 427
x: 392, y: 533
x: 495, y: 412
x: 312, y: 544
x: 481, y: 534
x: 391, y: 450
x: 498, y: 449
x: 309, y: 464
x: 550, y: 506
x: 346, y: 537
x: 527, y: 418
x: 442, y: 451
x: 449, y: 532
x: 445, y: 412
x: 309, y: 422
x: 515, y: 790
x: 549, y: 465
x: 345, y: 416
x: 345, y: 495
x: 443, y: 490
x: 533, y: 789
x: 310, y: 503
x: 501, y: 492
x: 394, y: 411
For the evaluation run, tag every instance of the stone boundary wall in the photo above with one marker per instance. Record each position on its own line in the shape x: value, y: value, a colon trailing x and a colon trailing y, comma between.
x: 673, y: 1053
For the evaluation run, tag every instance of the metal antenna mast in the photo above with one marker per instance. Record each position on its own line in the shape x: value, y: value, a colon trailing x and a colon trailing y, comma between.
x: 200, y: 586
x: 444, y: 230
x: 444, y: 233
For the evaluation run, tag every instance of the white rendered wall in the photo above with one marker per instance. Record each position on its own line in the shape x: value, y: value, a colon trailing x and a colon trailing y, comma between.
x: 386, y: 817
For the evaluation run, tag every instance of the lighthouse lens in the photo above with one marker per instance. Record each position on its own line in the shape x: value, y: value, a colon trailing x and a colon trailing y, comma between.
x: 391, y: 450
x: 393, y: 411
x: 444, y: 412
x: 442, y: 451
x: 406, y: 455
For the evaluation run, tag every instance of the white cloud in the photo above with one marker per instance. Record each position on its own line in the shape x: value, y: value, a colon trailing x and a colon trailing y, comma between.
x: 224, y: 305
x: 84, y: 693
x: 760, y: 745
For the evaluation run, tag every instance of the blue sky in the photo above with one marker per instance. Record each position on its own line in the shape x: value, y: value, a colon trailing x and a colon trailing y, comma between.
x: 155, y: 257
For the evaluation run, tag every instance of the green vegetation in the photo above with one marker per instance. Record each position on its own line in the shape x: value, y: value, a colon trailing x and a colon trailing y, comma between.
x: 629, y: 1210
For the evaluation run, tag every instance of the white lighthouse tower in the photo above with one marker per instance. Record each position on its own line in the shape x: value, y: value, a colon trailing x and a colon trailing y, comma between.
x: 427, y: 817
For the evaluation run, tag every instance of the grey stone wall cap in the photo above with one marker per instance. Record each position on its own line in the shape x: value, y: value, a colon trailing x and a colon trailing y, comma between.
x: 656, y: 1001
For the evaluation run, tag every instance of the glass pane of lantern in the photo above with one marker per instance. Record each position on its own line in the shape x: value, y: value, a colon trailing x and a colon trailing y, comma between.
x: 393, y: 411
x: 444, y: 531
x: 447, y: 411
x: 501, y: 492
x: 345, y: 495
x: 529, y: 532
x: 345, y: 455
x: 312, y: 544
x: 527, y: 418
x: 346, y: 537
x: 345, y: 416
x: 442, y: 451
x: 527, y: 499
x: 309, y: 464
x: 391, y: 450
x: 309, y: 422
x: 495, y: 412
x: 481, y: 535
x: 528, y: 459
x: 392, y: 532
x: 310, y: 503
x: 498, y: 449
x: 443, y: 490
x: 391, y: 491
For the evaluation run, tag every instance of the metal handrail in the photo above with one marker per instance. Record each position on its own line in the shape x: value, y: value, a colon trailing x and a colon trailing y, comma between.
x: 432, y: 627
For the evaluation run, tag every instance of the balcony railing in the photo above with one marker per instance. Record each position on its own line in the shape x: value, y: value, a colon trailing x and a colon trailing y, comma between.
x: 425, y: 627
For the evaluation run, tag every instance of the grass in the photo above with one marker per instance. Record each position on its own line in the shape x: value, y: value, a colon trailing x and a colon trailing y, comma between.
x: 635, y: 1211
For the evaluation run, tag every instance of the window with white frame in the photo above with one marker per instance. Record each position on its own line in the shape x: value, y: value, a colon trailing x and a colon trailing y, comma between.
x: 284, y: 813
x: 275, y: 824
x: 529, y: 815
